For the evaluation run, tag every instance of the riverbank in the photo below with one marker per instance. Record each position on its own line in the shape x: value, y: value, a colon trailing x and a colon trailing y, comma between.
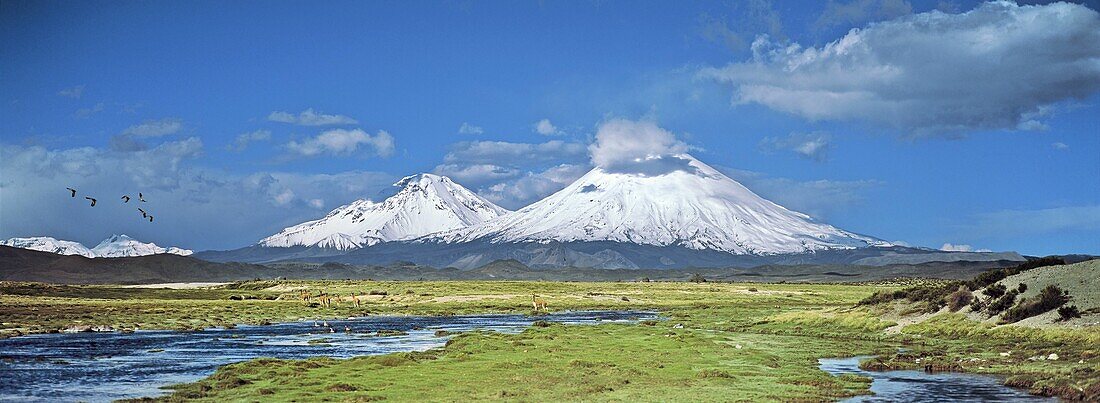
x: 719, y: 342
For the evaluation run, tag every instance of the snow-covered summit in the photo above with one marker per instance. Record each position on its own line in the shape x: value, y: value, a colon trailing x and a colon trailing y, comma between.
x: 672, y: 200
x: 124, y: 246
x: 49, y: 244
x: 425, y: 204
x: 115, y: 246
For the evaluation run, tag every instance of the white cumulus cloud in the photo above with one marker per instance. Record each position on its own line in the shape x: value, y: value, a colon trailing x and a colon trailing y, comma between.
x: 545, y: 128
x: 995, y: 67
x: 343, y: 142
x: 622, y: 143
x: 950, y: 247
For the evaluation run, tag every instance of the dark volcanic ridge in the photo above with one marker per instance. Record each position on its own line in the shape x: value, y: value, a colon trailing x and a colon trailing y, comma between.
x: 597, y: 255
x: 28, y: 265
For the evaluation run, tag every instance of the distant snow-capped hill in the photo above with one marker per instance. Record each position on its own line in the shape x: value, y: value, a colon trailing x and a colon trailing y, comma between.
x: 682, y: 202
x: 115, y: 246
x: 124, y: 246
x: 425, y: 204
x: 48, y: 244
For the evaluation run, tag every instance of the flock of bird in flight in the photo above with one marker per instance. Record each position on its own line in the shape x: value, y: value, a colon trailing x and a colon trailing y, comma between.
x: 125, y: 199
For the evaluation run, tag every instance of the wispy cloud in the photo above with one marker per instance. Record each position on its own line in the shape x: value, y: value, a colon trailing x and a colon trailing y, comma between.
x: 155, y: 128
x: 1034, y: 222
x: 84, y: 113
x: 746, y: 18
x: 881, y: 74
x: 343, y: 142
x: 467, y: 128
x: 814, y: 146
x: 74, y: 92
x: 1059, y: 146
x: 309, y: 117
x: 858, y: 12
x: 818, y: 198
x: 244, y: 139
x: 187, y: 200
x: 514, y: 174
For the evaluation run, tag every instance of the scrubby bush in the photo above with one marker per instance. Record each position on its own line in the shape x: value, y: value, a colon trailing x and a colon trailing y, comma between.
x: 1069, y: 312
x: 1022, y: 288
x: 1004, y: 302
x: 1048, y: 299
x: 992, y: 276
x: 936, y: 296
x: 697, y: 278
x: 960, y: 298
x: 976, y: 305
x: 994, y: 291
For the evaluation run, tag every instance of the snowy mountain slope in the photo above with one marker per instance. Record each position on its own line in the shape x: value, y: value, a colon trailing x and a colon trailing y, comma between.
x: 425, y: 204
x: 48, y: 244
x: 690, y: 205
x: 124, y: 246
x: 115, y: 246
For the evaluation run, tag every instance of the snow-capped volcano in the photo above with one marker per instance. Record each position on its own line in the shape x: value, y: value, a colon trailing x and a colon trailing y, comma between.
x: 115, y: 246
x: 48, y: 244
x: 124, y: 246
x: 664, y: 201
x: 425, y: 204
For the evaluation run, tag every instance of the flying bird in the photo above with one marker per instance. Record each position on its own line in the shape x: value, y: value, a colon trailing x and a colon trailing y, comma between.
x: 73, y: 191
x: 125, y: 199
x: 92, y: 199
x: 143, y: 213
x: 141, y: 197
x: 150, y: 218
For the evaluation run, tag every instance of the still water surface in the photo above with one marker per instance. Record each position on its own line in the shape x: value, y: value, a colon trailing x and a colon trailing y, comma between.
x: 920, y: 386
x: 98, y: 367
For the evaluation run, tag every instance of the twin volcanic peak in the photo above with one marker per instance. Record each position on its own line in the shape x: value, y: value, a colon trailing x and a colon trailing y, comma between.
x: 673, y: 200
x: 425, y: 204
x: 115, y: 246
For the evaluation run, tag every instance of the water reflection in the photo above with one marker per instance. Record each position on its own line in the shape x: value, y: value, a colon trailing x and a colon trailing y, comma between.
x: 920, y: 386
x: 109, y: 366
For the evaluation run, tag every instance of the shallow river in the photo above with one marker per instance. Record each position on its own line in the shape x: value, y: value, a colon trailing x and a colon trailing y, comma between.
x: 920, y: 386
x: 107, y: 366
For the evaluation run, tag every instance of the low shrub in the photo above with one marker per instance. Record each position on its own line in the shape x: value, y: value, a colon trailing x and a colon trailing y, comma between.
x: 1004, y: 302
x: 1068, y: 312
x: 697, y: 278
x: 960, y: 298
x: 1022, y: 288
x: 1048, y: 299
x: 994, y: 291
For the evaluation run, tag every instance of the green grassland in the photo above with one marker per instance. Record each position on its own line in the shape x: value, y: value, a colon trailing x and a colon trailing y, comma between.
x: 720, y: 341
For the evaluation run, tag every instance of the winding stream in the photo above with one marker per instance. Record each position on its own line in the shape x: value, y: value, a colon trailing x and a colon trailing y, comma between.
x: 920, y: 386
x: 107, y: 366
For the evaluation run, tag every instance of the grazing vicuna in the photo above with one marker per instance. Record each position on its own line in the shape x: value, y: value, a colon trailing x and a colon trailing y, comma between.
x: 539, y: 303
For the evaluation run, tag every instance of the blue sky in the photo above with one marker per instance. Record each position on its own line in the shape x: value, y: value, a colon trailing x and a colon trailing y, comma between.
x: 936, y: 122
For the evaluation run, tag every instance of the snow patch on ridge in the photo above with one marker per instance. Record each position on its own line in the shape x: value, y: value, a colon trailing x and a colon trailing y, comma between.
x: 115, y: 246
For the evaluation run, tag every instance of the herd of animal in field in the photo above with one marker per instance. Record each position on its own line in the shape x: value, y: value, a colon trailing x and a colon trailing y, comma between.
x: 125, y: 199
